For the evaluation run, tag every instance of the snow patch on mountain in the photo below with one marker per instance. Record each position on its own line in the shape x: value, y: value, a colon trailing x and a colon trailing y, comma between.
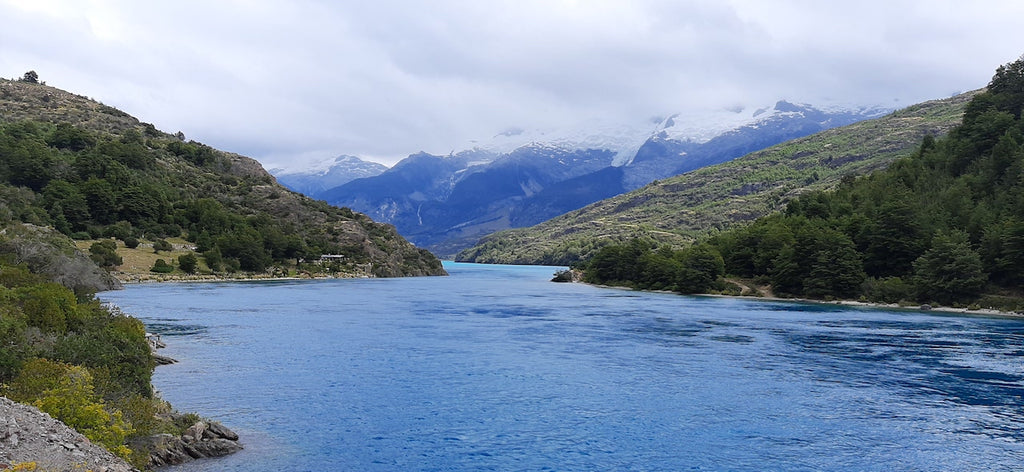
x: 323, y: 167
x: 602, y: 134
x: 626, y: 138
x: 326, y: 174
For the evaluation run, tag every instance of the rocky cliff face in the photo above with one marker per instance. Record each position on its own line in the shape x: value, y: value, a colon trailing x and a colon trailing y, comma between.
x: 47, y: 252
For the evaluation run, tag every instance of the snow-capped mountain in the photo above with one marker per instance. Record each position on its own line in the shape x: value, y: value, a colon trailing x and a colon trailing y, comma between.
x: 521, y: 177
x: 623, y: 139
x: 696, y: 127
x: 327, y: 174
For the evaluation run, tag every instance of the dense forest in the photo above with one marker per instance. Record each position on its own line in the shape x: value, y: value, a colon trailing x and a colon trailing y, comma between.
x: 945, y: 225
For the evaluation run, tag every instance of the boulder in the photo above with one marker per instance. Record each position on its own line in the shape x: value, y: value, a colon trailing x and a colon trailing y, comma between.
x: 216, y: 447
x: 215, y: 430
x: 194, y: 433
x: 201, y: 440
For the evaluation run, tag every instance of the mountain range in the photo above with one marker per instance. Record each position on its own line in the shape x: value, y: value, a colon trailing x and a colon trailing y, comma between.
x: 520, y: 178
x: 678, y: 210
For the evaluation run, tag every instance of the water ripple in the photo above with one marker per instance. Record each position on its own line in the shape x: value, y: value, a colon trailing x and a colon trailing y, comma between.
x: 494, y: 368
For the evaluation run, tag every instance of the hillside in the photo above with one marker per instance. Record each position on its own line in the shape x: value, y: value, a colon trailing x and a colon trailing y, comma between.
x: 680, y: 209
x: 94, y: 172
x: 940, y: 226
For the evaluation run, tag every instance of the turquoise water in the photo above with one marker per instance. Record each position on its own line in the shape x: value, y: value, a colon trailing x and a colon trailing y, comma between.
x: 495, y: 368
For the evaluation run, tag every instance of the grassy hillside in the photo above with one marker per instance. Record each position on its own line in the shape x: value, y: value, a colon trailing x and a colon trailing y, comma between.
x: 678, y: 210
x: 94, y: 172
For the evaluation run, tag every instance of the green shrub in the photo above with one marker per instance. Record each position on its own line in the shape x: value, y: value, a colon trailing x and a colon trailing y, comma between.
x: 131, y: 242
x: 66, y: 392
x: 119, y: 230
x: 104, y: 253
x: 161, y: 245
x: 48, y: 306
x: 162, y: 267
x: 887, y: 290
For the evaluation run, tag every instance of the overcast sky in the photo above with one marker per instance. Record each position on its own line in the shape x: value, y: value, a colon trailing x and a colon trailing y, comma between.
x: 296, y: 80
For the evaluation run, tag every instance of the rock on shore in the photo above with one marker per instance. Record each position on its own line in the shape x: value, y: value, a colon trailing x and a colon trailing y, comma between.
x: 202, y: 439
x: 29, y: 435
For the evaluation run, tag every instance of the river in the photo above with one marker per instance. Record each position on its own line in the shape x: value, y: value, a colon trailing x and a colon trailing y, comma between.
x: 495, y: 368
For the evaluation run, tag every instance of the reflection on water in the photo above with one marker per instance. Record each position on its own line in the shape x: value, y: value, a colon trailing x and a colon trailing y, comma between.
x: 494, y: 368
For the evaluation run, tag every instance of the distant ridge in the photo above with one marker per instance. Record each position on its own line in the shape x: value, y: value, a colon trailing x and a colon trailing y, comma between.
x: 327, y: 175
x: 677, y: 210
x: 523, y: 177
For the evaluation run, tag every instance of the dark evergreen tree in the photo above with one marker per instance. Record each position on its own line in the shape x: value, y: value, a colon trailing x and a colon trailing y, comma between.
x: 893, y: 239
x: 188, y: 263
x: 31, y: 77
x: 950, y: 271
x: 1007, y: 86
x: 104, y: 253
x: 701, y: 268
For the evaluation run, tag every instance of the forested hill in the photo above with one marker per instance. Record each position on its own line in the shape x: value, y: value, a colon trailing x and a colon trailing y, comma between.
x: 94, y: 172
x: 678, y: 210
x: 945, y: 225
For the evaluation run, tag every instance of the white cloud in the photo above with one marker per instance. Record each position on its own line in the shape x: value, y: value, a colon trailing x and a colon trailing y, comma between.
x: 310, y: 79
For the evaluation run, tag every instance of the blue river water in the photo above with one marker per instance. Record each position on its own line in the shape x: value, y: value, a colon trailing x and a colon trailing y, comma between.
x: 495, y: 368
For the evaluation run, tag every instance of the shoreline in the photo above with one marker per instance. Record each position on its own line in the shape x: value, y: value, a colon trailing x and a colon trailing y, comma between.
x: 139, y: 279
x: 128, y: 278
x: 923, y: 308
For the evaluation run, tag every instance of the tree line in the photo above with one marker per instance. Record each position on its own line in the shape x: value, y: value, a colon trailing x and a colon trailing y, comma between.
x: 944, y: 225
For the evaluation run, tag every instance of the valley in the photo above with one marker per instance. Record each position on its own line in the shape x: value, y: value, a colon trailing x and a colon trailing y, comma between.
x: 522, y: 178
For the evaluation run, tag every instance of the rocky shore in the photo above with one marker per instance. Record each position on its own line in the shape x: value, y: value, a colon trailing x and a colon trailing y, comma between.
x: 28, y: 436
x: 33, y: 440
x: 203, y: 439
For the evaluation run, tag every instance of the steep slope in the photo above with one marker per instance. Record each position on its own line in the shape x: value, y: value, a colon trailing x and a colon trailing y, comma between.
x: 32, y: 440
x: 678, y: 209
x: 92, y: 171
x: 520, y: 178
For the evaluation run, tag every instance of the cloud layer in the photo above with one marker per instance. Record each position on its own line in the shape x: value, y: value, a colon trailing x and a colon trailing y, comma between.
x: 288, y: 82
